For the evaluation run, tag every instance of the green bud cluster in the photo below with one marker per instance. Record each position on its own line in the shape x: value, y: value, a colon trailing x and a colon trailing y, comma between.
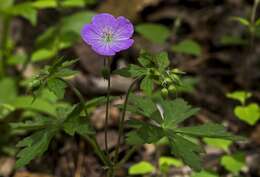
x: 168, y: 80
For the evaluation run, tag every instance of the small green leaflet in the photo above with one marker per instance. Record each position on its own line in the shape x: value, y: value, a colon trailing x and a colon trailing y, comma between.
x: 241, y: 20
x: 34, y: 146
x: 218, y: 143
x: 147, y: 85
x: 141, y: 168
x: 249, y: 114
x: 204, y: 173
x: 187, y: 46
x: 132, y: 71
x: 240, y: 96
x: 57, y: 86
x: 154, y: 32
x: 186, y: 150
x: 233, y: 163
x: 166, y: 162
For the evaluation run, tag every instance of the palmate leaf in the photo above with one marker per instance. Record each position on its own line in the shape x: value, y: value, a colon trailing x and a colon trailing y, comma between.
x: 74, y: 123
x: 147, y: 85
x: 176, y: 111
x: 57, y: 86
x: 210, y: 130
x: 34, y: 146
x: 188, y: 151
x: 147, y: 133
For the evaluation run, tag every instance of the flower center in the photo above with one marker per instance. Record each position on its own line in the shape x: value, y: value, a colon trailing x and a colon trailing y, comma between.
x: 107, y: 36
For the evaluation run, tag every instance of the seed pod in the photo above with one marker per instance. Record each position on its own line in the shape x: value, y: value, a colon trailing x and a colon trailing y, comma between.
x: 164, y: 92
x: 172, y: 89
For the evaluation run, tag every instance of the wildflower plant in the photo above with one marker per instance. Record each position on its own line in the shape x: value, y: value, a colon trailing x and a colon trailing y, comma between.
x: 108, y: 35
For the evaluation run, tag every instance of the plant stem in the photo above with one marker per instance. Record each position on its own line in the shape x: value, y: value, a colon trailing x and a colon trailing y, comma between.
x: 121, y: 123
x: 91, y: 140
x: 4, y: 41
x: 108, y: 77
x: 127, y: 156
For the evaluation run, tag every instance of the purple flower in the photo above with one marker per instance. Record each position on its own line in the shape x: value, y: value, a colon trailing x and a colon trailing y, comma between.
x: 108, y: 35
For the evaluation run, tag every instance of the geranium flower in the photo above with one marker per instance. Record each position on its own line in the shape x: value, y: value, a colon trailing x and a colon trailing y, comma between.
x: 108, y: 35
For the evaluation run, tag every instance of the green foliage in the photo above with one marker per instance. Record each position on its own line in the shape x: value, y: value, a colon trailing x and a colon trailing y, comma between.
x: 249, y: 114
x: 240, y: 96
x: 34, y: 146
x: 242, y: 21
x: 61, y: 36
x: 25, y: 10
x: 8, y: 90
x: 228, y: 40
x: 233, y: 163
x: 141, y: 168
x: 218, y: 143
x: 154, y: 32
x: 168, y: 114
x: 166, y: 162
x: 154, y: 70
x: 187, y: 46
x: 204, y: 173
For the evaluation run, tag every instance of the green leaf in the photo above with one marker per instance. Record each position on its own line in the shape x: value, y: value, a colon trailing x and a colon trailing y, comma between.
x: 145, y: 59
x: 169, y: 161
x: 147, y: 133
x: 34, y: 146
x: 8, y: 90
x: 249, y: 114
x: 25, y: 10
x: 141, y: 168
x: 147, y: 85
x: 6, y: 4
x: 73, y: 3
x: 232, y: 40
x: 188, y: 46
x: 241, y: 96
x: 233, y: 163
x: 28, y: 102
x: 241, y: 20
x: 211, y: 130
x: 204, y: 174
x: 176, y: 112
x: 42, y: 4
x: 162, y: 60
x: 42, y: 54
x: 74, y: 123
x: 57, y: 86
x: 186, y: 150
x: 68, y: 29
x: 154, y: 32
x: 257, y: 23
x: 144, y: 105
x: 218, y: 143
x: 131, y: 71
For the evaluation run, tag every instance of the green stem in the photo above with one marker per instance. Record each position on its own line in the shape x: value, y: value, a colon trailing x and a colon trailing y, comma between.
x: 127, y: 156
x: 91, y: 140
x: 5, y: 33
x: 121, y: 123
x: 108, y: 77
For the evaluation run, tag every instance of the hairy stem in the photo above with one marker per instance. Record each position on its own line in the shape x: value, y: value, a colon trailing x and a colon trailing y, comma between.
x: 108, y: 77
x: 121, y: 123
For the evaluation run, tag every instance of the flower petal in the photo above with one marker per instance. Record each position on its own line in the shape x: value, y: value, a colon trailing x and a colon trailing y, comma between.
x: 103, y: 49
x: 89, y: 34
x: 104, y: 20
x: 122, y: 45
x: 124, y: 29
